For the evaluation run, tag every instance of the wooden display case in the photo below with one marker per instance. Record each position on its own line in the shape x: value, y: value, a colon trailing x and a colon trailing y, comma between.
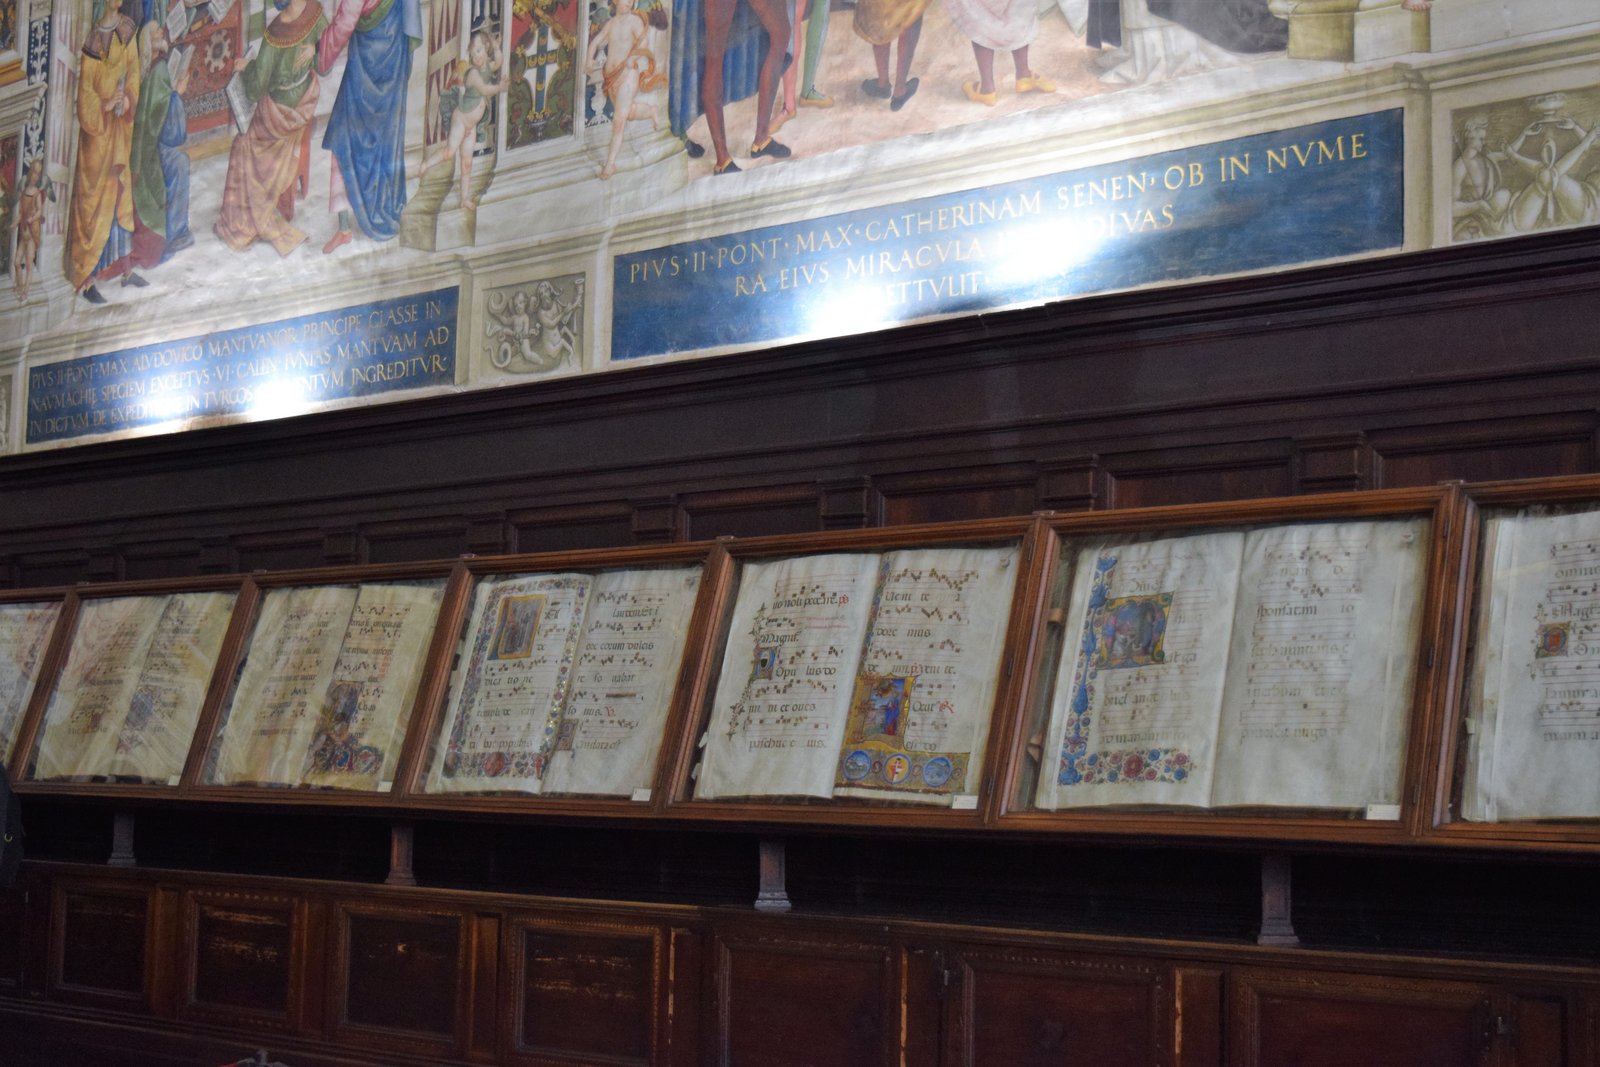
x: 1297, y: 682
x: 1528, y: 709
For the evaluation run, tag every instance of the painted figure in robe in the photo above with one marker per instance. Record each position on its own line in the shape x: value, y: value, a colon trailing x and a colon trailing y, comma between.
x: 100, y: 219
x: 160, y: 166
x: 264, y: 161
x: 366, y: 129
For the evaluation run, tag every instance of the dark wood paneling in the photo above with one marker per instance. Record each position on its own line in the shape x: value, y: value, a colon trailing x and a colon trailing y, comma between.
x: 161, y: 559
x: 778, y: 509
x: 967, y: 493
x: 585, y: 992
x: 1241, y: 471
x: 1487, y: 450
x: 1032, y: 1009
x: 602, y: 525
x: 1539, y: 1031
x: 13, y: 921
x: 413, y: 539
x: 53, y: 568
x: 99, y: 942
x: 241, y: 954
x: 803, y: 1001
x: 283, y: 551
x: 1284, y: 1019
x: 403, y: 973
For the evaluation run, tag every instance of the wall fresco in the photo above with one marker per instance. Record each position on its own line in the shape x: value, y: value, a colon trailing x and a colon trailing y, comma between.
x: 181, y: 170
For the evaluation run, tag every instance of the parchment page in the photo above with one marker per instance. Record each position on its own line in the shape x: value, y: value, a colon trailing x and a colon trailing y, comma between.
x: 24, y: 632
x: 277, y: 702
x: 362, y: 723
x: 788, y: 673
x: 1538, y: 712
x: 510, y: 683
x: 1323, y: 662
x: 1482, y: 704
x: 1139, y: 689
x: 146, y: 732
x: 96, y: 688
x: 627, y: 669
x: 923, y: 696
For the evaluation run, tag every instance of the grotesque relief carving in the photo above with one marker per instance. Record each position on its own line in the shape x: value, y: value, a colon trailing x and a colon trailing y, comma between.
x: 536, y: 327
x: 1526, y: 165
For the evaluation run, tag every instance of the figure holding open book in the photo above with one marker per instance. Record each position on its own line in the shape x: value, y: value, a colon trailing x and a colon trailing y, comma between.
x: 281, y: 80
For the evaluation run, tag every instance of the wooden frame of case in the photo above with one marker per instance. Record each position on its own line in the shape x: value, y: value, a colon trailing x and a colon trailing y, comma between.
x: 1442, y: 825
x: 47, y: 666
x: 1019, y: 635
x: 1438, y: 649
x: 56, y: 659
x: 428, y: 717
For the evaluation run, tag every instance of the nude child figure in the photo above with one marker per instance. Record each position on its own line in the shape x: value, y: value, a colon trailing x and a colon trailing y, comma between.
x: 629, y: 71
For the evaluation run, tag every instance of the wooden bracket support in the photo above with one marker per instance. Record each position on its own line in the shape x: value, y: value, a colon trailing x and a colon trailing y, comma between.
x: 772, y: 895
x: 1277, y: 928
x: 400, y: 854
x: 121, y: 840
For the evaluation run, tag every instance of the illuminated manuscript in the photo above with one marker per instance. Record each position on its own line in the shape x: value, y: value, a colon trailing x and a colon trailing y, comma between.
x: 860, y: 675
x: 24, y: 632
x: 130, y: 693
x: 1535, y: 689
x: 1268, y: 668
x: 565, y: 681
x: 327, y: 686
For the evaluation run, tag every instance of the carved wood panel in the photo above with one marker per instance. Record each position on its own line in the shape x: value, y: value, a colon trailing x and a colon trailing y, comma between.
x: 243, y: 958
x: 583, y: 992
x: 1297, y: 1019
x: 1487, y: 449
x: 400, y: 978
x: 1026, y: 1008
x: 801, y: 999
x: 100, y: 943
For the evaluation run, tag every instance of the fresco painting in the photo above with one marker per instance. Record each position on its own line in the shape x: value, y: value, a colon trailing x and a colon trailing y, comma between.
x: 211, y: 166
x: 1526, y: 165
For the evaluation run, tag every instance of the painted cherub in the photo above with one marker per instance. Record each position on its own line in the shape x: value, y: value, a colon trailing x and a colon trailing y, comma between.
x: 629, y: 70
x: 463, y: 104
x: 30, y: 223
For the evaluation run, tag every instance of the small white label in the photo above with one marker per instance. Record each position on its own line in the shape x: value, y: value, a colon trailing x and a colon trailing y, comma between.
x: 1383, y: 812
x: 703, y: 739
x: 384, y: 787
x: 964, y: 802
x: 175, y: 779
x: 1472, y: 727
x: 641, y: 796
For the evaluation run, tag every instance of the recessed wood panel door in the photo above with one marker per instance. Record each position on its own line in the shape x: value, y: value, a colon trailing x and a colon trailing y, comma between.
x: 583, y: 993
x: 1026, y: 1008
x: 242, y: 957
x: 100, y: 938
x: 804, y: 1000
x: 1310, y: 1019
x: 400, y: 979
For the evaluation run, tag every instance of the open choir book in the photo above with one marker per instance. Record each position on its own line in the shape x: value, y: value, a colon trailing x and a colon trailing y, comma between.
x: 129, y: 696
x: 564, y: 681
x: 1271, y: 667
x: 1534, y: 694
x: 24, y: 631
x: 868, y: 674
x: 327, y: 685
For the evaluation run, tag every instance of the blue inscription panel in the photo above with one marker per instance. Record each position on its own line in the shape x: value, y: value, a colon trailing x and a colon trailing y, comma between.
x: 1313, y: 192
x: 273, y: 369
